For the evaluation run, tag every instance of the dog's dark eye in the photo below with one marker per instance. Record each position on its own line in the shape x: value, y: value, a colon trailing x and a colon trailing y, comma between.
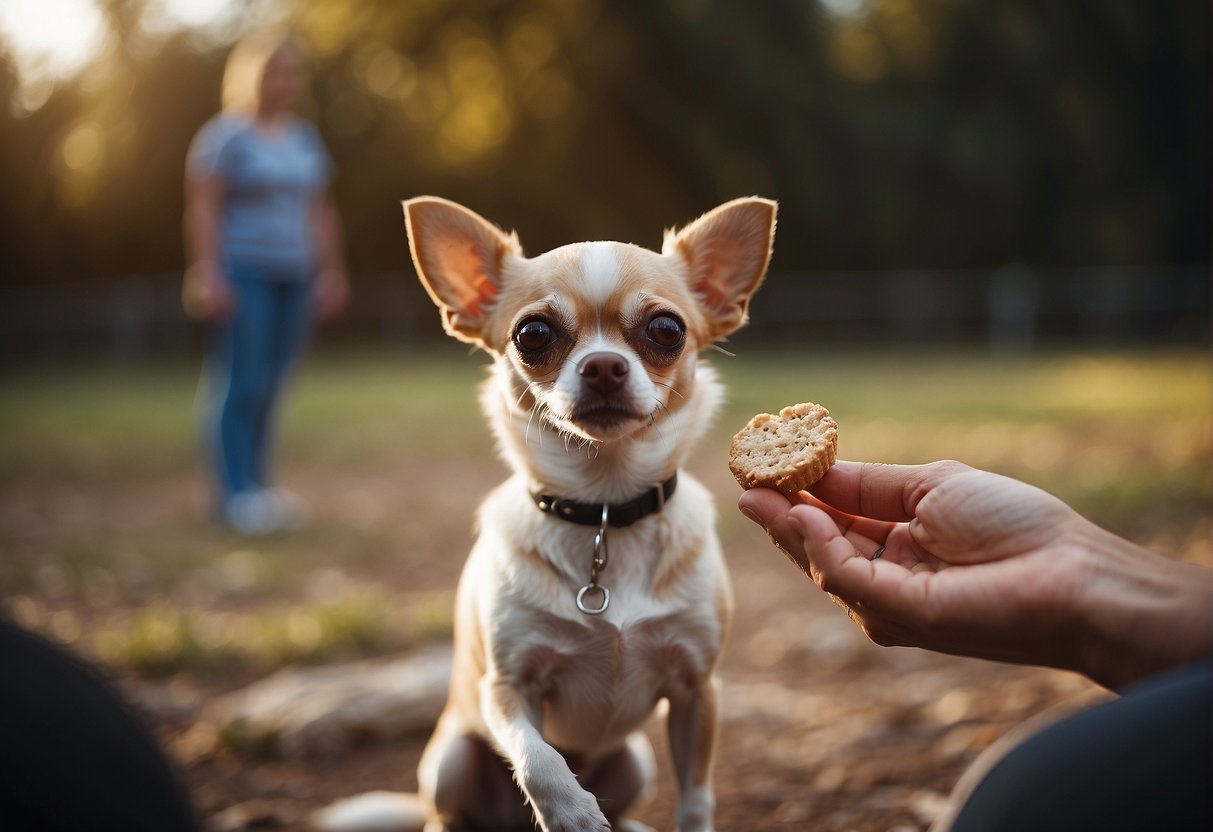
x: 534, y: 335
x: 665, y: 332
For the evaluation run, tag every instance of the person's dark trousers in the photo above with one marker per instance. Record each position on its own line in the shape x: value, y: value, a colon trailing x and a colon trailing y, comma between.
x: 1140, y: 763
x: 72, y: 757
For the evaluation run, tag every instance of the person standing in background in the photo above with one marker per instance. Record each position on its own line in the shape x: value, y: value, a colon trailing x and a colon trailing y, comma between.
x: 264, y: 245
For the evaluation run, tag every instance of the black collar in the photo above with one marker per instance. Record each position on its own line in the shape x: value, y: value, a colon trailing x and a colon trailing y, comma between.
x: 618, y: 514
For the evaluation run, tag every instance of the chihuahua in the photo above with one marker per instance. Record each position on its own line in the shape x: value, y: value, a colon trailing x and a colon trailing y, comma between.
x: 596, y: 587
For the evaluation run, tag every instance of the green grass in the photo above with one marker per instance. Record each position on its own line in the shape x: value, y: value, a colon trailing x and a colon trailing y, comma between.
x: 92, y: 423
x: 1111, y: 433
x: 104, y: 538
x: 161, y: 639
x: 972, y: 386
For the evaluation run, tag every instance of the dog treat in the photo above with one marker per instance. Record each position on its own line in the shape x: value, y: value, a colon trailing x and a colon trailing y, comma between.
x: 788, y: 452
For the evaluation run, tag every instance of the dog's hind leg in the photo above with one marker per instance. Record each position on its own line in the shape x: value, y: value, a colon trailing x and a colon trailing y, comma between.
x: 470, y: 786
x: 692, y: 724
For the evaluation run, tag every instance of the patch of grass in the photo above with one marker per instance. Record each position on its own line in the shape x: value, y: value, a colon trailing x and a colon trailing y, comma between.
x: 162, y: 639
x: 346, y: 411
x: 95, y: 423
x: 1120, y: 436
x: 89, y: 425
x: 917, y: 387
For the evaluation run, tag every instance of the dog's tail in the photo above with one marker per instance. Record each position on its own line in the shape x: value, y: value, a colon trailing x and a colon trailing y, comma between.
x: 373, y: 812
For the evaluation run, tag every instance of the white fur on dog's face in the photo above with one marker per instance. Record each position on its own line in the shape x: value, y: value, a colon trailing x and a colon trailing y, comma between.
x: 592, y: 299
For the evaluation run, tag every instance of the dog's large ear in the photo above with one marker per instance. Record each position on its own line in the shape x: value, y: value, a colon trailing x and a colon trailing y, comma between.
x: 458, y: 255
x: 726, y: 251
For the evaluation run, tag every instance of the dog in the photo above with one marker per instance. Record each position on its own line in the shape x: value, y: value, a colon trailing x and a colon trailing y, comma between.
x: 596, y: 587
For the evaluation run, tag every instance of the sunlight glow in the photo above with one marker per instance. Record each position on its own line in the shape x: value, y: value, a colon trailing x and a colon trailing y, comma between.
x: 164, y: 16
x: 845, y: 8
x: 51, y: 37
x: 50, y: 40
x: 196, y: 12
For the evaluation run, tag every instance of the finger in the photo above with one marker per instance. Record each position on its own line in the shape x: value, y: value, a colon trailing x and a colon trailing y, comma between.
x: 817, y: 524
x: 884, y: 631
x: 883, y: 492
x: 769, y: 509
x: 877, y: 530
x: 844, y: 567
x: 763, y: 505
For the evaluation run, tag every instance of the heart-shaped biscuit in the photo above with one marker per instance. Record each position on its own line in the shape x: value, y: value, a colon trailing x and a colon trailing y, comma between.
x: 788, y: 452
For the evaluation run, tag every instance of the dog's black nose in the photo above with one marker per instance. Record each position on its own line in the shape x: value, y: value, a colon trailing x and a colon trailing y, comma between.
x: 603, y: 372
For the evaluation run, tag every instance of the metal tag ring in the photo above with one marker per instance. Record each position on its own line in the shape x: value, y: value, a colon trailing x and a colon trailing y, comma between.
x: 606, y: 599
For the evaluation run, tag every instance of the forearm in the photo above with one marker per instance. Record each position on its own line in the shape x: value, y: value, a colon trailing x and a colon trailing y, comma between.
x: 330, y: 239
x: 203, y: 199
x: 1143, y: 613
x: 201, y: 237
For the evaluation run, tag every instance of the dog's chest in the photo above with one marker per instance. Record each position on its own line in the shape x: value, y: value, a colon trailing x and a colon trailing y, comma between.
x: 594, y: 689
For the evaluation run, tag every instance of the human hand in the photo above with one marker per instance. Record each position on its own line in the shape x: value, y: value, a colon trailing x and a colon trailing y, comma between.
x: 330, y: 294
x: 982, y: 565
x: 206, y: 293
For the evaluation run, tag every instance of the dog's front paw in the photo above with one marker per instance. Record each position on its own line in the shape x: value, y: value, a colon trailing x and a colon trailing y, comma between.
x: 596, y: 822
x: 579, y: 815
x: 586, y: 824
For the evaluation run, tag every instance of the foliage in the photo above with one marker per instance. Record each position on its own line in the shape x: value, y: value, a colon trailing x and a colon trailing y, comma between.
x: 894, y: 132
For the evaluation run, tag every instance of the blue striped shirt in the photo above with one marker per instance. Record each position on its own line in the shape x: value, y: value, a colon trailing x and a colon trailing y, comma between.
x: 271, y: 182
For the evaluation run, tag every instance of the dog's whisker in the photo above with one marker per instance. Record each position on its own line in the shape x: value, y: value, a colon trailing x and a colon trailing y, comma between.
x: 540, y: 408
x: 657, y: 429
x: 669, y: 387
x: 526, y: 436
x: 530, y: 388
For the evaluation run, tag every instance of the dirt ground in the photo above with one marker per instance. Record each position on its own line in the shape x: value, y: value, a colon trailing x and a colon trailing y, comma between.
x: 821, y: 729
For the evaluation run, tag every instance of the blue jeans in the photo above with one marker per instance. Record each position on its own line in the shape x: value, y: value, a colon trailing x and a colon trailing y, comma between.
x: 252, y: 354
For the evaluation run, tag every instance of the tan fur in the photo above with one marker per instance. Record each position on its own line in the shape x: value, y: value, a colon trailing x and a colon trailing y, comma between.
x: 540, y: 691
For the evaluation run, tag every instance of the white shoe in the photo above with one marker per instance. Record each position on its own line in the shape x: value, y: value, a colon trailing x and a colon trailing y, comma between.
x: 265, y: 511
x: 291, y: 508
x: 251, y: 513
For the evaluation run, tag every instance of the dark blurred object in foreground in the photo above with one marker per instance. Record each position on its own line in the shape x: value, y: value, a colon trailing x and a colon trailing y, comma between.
x: 72, y: 757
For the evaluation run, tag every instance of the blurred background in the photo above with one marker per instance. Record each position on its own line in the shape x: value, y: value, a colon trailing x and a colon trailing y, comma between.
x: 946, y: 170
x: 993, y: 245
